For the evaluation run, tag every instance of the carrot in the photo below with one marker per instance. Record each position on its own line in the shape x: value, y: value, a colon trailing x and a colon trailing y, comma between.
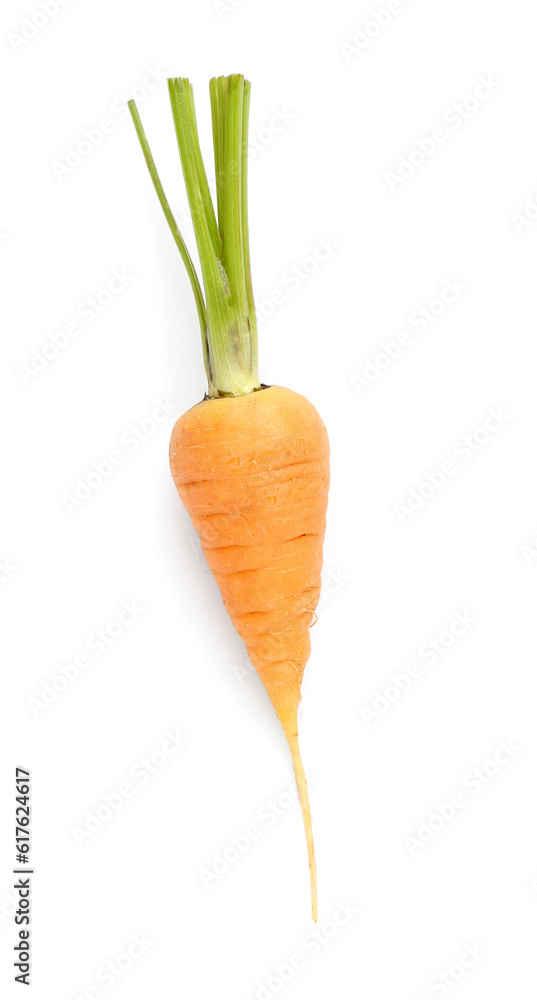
x: 250, y: 462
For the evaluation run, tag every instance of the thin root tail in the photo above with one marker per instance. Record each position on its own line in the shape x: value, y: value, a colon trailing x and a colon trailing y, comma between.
x: 291, y: 736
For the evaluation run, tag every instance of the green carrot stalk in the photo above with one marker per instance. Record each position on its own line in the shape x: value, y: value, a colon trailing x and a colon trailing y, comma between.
x: 227, y: 312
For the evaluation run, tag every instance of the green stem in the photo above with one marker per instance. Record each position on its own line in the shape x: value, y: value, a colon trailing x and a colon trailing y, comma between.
x: 231, y: 222
x: 229, y: 330
x: 218, y: 92
x: 245, y: 228
x: 200, y: 168
x: 187, y: 259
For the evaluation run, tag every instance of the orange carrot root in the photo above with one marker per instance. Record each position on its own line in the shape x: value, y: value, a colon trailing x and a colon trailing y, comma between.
x: 252, y: 472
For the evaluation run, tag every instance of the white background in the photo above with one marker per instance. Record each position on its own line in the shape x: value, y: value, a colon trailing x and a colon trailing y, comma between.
x: 391, y: 583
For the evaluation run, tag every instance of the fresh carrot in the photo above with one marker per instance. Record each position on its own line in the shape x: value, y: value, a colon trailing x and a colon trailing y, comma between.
x: 250, y: 462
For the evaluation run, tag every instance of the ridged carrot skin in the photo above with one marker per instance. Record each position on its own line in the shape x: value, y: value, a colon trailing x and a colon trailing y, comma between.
x: 253, y: 473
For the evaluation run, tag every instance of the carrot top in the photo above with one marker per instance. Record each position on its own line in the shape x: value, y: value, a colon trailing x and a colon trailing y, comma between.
x: 227, y: 313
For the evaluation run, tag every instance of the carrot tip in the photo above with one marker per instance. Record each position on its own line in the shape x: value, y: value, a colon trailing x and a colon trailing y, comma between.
x: 291, y: 736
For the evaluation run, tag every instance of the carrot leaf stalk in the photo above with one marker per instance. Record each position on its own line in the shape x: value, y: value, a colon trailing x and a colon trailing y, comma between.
x: 227, y: 315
